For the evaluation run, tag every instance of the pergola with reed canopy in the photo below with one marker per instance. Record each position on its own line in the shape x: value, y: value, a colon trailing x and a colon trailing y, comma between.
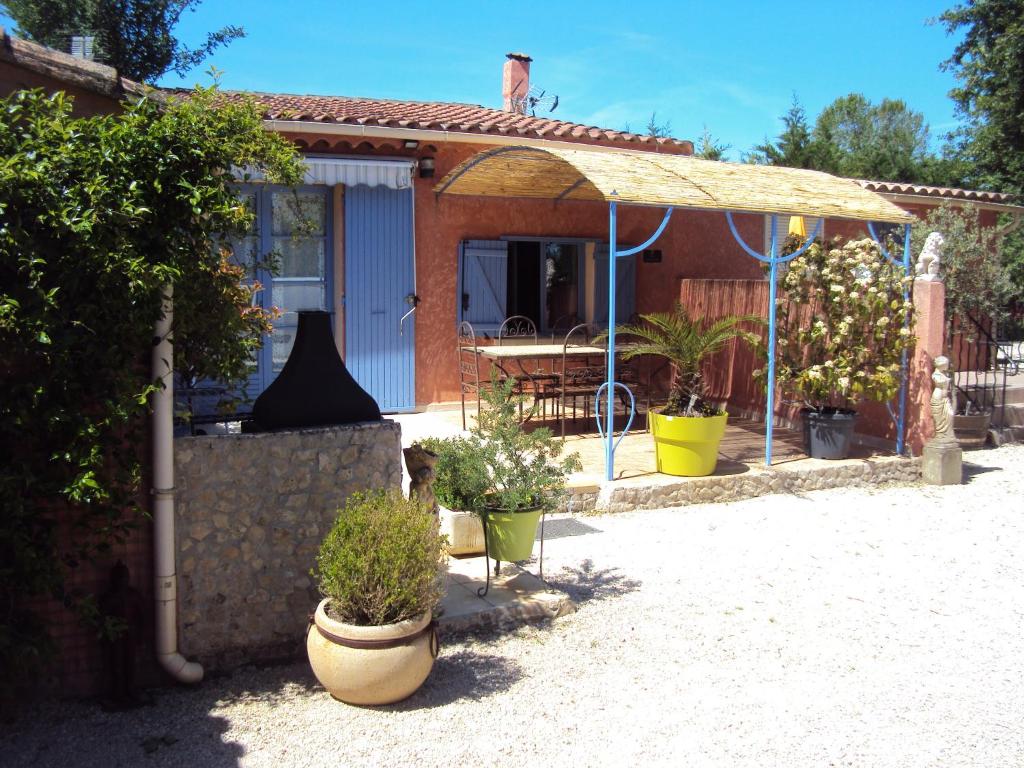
x: 675, y: 181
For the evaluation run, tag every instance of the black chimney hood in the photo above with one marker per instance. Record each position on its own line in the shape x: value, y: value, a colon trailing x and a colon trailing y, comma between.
x: 314, y: 389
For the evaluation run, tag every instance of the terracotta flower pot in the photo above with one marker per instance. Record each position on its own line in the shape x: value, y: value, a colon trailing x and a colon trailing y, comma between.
x: 371, y: 665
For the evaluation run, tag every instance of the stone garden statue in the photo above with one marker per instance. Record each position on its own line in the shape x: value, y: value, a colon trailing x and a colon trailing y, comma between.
x: 929, y: 261
x: 942, y: 405
x: 942, y: 457
x: 420, y: 463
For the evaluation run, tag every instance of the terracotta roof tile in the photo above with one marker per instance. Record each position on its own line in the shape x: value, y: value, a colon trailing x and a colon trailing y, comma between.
x: 949, y: 193
x: 464, y: 118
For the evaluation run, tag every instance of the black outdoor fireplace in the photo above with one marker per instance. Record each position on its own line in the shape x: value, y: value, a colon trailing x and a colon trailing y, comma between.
x: 314, y: 389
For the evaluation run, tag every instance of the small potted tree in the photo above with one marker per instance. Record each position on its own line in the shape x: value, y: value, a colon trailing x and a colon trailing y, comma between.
x: 462, y: 481
x: 688, y: 430
x: 843, y: 326
x: 526, y: 471
x: 381, y: 572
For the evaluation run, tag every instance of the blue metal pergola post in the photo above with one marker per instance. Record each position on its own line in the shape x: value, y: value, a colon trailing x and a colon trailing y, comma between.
x: 609, y: 448
x: 772, y: 259
x: 613, y: 254
x: 773, y: 274
x: 901, y: 428
x: 901, y: 416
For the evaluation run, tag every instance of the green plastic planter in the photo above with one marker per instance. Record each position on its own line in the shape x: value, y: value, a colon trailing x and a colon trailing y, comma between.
x: 510, y: 535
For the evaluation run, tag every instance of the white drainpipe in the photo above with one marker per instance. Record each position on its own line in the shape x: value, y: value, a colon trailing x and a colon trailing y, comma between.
x: 166, y: 581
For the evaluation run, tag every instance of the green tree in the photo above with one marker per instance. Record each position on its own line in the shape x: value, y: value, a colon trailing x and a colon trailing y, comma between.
x: 656, y: 129
x: 853, y: 137
x: 686, y: 343
x: 709, y: 148
x: 975, y: 281
x: 98, y: 214
x: 989, y: 67
x: 792, y: 148
x: 136, y: 37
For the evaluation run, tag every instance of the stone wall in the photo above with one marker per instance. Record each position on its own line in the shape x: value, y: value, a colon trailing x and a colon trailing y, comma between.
x: 251, y: 512
x: 619, y: 497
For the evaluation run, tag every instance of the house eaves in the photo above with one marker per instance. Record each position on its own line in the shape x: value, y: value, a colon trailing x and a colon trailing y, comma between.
x: 65, y: 68
x: 922, y: 194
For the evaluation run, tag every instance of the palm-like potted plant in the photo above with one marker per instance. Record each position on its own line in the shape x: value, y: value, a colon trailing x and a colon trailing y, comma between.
x: 688, y: 430
x: 526, y: 471
x: 844, y: 325
x: 381, y: 570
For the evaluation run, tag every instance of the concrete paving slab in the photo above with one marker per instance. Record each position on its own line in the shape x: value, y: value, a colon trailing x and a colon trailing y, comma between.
x: 515, y: 595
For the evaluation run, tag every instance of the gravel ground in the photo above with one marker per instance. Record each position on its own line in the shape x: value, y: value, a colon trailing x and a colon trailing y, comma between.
x: 880, y: 627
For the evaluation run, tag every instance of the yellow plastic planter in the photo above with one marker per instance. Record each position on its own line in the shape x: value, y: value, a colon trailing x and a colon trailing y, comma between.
x: 687, y: 445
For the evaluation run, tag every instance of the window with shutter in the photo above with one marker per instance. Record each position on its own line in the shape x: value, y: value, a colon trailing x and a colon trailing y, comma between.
x: 538, y: 278
x: 483, y: 284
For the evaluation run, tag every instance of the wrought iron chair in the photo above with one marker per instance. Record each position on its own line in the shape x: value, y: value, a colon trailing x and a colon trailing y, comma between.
x: 469, y: 366
x: 517, y: 327
x: 534, y: 382
x: 577, y: 377
x: 563, y: 324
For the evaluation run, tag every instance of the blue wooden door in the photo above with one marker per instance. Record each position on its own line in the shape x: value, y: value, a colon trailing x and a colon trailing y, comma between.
x: 379, y: 276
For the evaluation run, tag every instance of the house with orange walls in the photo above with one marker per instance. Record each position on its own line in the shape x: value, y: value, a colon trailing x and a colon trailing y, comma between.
x: 401, y: 266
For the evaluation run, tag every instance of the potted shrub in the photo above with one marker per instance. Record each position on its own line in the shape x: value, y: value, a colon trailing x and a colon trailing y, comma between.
x: 461, y: 482
x: 381, y: 572
x: 842, y: 331
x: 688, y: 430
x: 526, y: 471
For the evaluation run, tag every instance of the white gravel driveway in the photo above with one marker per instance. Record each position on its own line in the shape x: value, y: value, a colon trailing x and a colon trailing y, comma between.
x: 841, y: 628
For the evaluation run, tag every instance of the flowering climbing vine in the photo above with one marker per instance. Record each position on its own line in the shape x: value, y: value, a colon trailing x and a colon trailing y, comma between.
x: 843, y: 325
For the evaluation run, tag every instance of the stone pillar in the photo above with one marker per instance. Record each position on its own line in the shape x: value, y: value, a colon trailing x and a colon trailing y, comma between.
x: 930, y: 329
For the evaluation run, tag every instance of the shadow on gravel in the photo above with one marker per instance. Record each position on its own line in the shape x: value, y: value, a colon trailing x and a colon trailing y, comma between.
x: 973, y: 470
x: 272, y: 683
x: 587, y: 583
x: 177, y: 729
x: 463, y: 674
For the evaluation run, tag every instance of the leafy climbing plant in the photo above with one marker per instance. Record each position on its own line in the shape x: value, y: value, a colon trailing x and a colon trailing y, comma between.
x: 96, y: 215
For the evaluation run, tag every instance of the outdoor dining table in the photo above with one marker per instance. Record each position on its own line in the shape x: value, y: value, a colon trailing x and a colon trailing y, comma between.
x: 512, y: 360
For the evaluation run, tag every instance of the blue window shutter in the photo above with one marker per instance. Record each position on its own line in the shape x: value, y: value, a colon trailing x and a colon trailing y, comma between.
x: 625, y: 286
x: 483, y: 284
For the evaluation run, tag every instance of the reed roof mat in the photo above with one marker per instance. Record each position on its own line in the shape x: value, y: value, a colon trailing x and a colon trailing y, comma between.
x: 647, y: 178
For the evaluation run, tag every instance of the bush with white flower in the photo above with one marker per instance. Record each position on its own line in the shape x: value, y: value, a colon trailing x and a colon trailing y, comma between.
x: 842, y: 325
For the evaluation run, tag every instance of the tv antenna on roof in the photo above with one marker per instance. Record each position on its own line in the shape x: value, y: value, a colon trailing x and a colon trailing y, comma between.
x: 538, y: 98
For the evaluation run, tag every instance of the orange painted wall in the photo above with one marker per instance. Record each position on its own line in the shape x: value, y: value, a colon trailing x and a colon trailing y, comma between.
x: 694, y: 245
x: 86, y: 103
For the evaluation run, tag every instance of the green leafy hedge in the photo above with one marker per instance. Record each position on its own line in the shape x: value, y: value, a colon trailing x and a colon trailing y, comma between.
x: 96, y: 215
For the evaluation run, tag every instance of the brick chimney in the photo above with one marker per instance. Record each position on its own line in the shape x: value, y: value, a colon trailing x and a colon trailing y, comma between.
x: 515, y: 82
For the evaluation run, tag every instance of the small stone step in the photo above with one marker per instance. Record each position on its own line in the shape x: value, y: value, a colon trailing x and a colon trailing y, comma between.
x: 1011, y: 415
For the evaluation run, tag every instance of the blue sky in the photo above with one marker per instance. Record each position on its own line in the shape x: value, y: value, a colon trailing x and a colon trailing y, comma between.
x: 732, y: 66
